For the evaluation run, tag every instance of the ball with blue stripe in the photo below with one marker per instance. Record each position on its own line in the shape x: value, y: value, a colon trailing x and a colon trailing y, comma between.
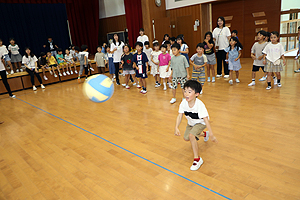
x: 98, y: 88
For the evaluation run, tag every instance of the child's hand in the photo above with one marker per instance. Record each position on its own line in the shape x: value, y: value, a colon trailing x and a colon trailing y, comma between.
x: 170, y: 78
x: 226, y: 61
x: 260, y: 57
x: 253, y: 57
x: 284, y: 63
x: 158, y: 69
x: 264, y: 62
x: 167, y: 69
x: 177, y: 132
x: 214, y: 139
x: 236, y: 59
x: 36, y: 71
x: 188, y: 77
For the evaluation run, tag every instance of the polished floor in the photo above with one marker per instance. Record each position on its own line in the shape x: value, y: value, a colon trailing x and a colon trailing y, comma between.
x: 55, y: 144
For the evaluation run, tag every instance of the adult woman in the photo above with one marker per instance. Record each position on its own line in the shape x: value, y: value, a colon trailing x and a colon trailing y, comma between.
x: 221, y: 35
x: 116, y: 48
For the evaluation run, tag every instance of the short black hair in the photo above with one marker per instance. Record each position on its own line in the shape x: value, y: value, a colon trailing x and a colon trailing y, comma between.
x: 146, y: 43
x: 194, y: 85
x: 139, y: 44
x: 84, y: 47
x: 42, y: 54
x: 268, y: 34
x: 173, y: 39
x: 127, y: 45
x: 234, y: 31
x: 201, y: 45
x: 176, y: 45
x: 141, y: 29
x: 262, y: 32
x: 163, y: 46
x: 10, y: 39
x: 1, y: 40
x: 99, y: 47
x: 59, y: 49
x: 167, y: 42
x: 155, y: 44
x: 275, y: 33
x: 77, y: 48
x: 298, y: 27
x: 49, y: 36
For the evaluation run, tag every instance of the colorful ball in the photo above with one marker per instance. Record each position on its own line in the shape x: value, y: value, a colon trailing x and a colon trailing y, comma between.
x: 98, y: 88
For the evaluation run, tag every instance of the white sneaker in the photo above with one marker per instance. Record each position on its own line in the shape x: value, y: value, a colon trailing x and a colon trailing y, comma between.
x: 21, y: 70
x: 92, y: 69
x: 237, y: 80
x: 230, y: 82
x: 45, y: 78
x: 165, y: 88
x: 124, y: 84
x: 12, y: 72
x: 279, y: 85
x: 42, y: 86
x: 13, y: 96
x: 34, y: 88
x: 64, y: 73
x: 275, y: 80
x: 226, y: 76
x: 263, y: 78
x: 201, y: 91
x: 71, y: 72
x: 112, y: 80
x: 213, y: 79
x: 6, y: 73
x: 60, y: 74
x: 134, y: 84
x: 252, y: 83
x: 17, y: 70
x: 138, y: 86
x: 170, y: 86
x: 55, y: 75
x: 127, y: 87
x: 51, y: 72
x: 219, y: 75
x: 196, y: 165
x: 268, y: 88
x: 76, y: 72
x: 144, y: 91
x: 173, y: 100
x: 68, y: 72
x: 207, y: 136
x: 208, y: 79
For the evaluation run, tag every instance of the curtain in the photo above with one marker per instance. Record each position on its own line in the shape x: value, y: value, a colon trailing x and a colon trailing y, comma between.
x: 83, y: 16
x: 134, y: 19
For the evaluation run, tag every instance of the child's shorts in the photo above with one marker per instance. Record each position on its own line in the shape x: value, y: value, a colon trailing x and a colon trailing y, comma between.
x: 16, y: 58
x: 256, y: 68
x: 211, y: 59
x: 143, y: 75
x: 154, y: 69
x: 128, y: 71
x: 176, y: 80
x: 270, y: 67
x: 199, y: 75
x: 63, y: 63
x: 163, y: 71
x: 195, y: 130
x: 6, y: 57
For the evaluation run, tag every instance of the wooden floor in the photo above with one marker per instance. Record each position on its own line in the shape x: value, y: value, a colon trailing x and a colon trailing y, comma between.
x: 48, y: 149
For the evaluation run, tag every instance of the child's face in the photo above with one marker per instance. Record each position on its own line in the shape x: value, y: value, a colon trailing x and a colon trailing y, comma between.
x: 48, y: 54
x: 76, y: 51
x: 156, y: 48
x: 67, y: 51
x: 104, y: 44
x: 179, y: 41
x: 147, y: 46
x: 107, y: 49
x: 260, y: 37
x: 233, y: 34
x: 274, y: 38
x: 166, y: 37
x: 126, y: 49
x: 12, y: 42
x: 199, y: 50
x: 190, y: 94
x: 207, y: 37
x: 175, y: 51
x: 163, y: 49
x: 232, y: 42
x: 27, y: 51
x: 73, y: 48
x: 141, y: 32
x: 44, y: 56
x: 138, y: 48
x: 1, y: 42
x: 59, y: 52
x: 220, y: 22
x: 99, y: 49
x: 50, y: 39
x: 168, y: 46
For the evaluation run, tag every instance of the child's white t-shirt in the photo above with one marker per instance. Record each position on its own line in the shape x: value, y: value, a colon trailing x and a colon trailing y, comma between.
x: 273, y: 51
x: 155, y: 55
x: 257, y: 49
x: 85, y: 53
x: 30, y: 61
x: 2, y: 68
x: 68, y: 57
x: 221, y: 37
x: 118, y: 53
x: 195, y: 114
x: 72, y: 52
x: 14, y: 49
x: 3, y: 49
x: 142, y: 39
x: 183, y: 47
x: 148, y: 53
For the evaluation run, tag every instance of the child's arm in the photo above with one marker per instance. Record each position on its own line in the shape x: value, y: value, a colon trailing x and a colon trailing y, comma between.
x: 36, y: 70
x: 85, y: 60
x: 196, y: 66
x: 186, y: 51
x: 168, y: 66
x: 188, y: 74
x: 227, y: 57
x: 240, y: 53
x: 178, y: 121
x: 283, y: 58
x: 254, y: 57
x: 213, y: 138
x: 264, y: 62
x: 153, y: 60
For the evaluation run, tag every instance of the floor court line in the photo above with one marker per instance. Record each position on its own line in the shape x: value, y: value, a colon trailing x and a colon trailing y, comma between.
x: 127, y: 150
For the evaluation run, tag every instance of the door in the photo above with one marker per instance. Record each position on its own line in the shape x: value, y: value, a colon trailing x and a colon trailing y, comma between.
x: 162, y: 26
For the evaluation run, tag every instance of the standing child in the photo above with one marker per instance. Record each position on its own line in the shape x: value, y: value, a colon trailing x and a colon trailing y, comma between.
x: 172, y: 40
x: 267, y: 40
x: 184, y: 49
x: 198, y: 119
x: 42, y: 62
x: 164, y: 65
x: 140, y: 63
x: 210, y: 55
x: 257, y: 55
x: 272, y: 54
x: 3, y: 75
x: 70, y: 61
x: 169, y: 50
x: 72, y: 50
x: 199, y: 61
x: 234, y: 33
x: 142, y: 38
x: 126, y: 63
x: 179, y: 70
x: 233, y: 58
x: 6, y: 57
x: 16, y: 57
x: 83, y: 58
x: 30, y: 62
x: 155, y: 63
x: 148, y: 50
x: 51, y: 46
x: 103, y: 47
x: 110, y: 60
x: 61, y: 61
x: 100, y: 60
x: 52, y: 63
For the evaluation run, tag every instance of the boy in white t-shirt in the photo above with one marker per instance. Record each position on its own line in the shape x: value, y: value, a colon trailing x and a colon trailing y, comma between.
x: 83, y: 59
x: 197, y: 116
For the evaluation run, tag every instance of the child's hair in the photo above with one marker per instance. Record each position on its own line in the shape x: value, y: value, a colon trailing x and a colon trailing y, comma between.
x: 42, y: 54
x: 167, y: 42
x: 59, y: 49
x: 104, y: 43
x: 298, y: 27
x: 275, y: 33
x: 211, y: 37
x: 234, y: 31
x: 71, y: 46
x: 176, y: 45
x: 10, y: 39
x: 77, y: 48
x: 48, y: 52
x: 180, y: 38
x: 67, y: 49
x: 84, y: 47
x: 238, y: 44
x: 223, y: 19
x: 194, y: 85
x: 127, y: 45
x: 165, y: 36
x: 1, y: 40
x: 99, y: 47
x: 155, y: 43
x: 49, y: 36
x: 268, y: 34
x: 163, y: 46
x: 201, y: 45
x: 146, y: 43
x: 141, y: 29
x: 173, y: 39
x: 31, y: 54
x: 139, y: 44
x: 262, y: 32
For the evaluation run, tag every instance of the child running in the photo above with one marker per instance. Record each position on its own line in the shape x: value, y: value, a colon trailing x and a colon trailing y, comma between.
x: 198, y: 119
x: 199, y: 61
x: 272, y: 54
x: 140, y: 63
x: 233, y: 58
x: 154, y: 63
x: 164, y: 65
x: 83, y: 59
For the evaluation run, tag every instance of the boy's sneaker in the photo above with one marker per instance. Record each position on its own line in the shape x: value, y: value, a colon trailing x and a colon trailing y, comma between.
x: 45, y: 77
x: 208, y: 79
x: 268, y: 88
x: 213, y: 79
x: 64, y: 73
x: 60, y: 74
x: 118, y: 83
x: 206, y: 136
x: 12, y: 96
x: 230, y: 82
x: 127, y: 87
x: 263, y: 78
x: 68, y: 72
x: 138, y: 86
x: 196, y: 165
x: 226, y: 76
x: 124, y: 84
x: 76, y: 72
x: 275, y: 80
x: 51, y: 72
x: 134, y: 84
x: 165, y: 88
x: 252, y: 83
x: 12, y: 72
x: 237, y: 80
x: 297, y: 70
x: 42, y: 86
x: 279, y: 85
x: 7, y: 73
x: 34, y: 88
x: 21, y: 70
x: 144, y: 91
x: 71, y: 72
x: 201, y: 91
x: 92, y: 69
x: 219, y: 75
x: 55, y: 75
x: 173, y: 100
x: 17, y: 70
x: 170, y: 86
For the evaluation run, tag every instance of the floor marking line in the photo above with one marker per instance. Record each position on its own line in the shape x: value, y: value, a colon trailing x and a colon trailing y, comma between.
x: 127, y: 150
